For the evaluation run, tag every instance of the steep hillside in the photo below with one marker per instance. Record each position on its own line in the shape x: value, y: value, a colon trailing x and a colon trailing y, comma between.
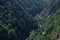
x: 47, y: 12
x: 45, y: 23
x: 15, y: 24
x: 34, y: 7
x: 49, y: 29
x: 29, y: 19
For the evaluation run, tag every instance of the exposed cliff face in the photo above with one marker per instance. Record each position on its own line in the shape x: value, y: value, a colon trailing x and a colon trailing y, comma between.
x: 57, y: 37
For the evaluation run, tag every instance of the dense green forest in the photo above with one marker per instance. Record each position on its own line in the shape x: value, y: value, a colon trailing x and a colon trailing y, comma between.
x: 15, y: 23
x: 21, y: 21
x: 50, y: 28
x: 15, y: 26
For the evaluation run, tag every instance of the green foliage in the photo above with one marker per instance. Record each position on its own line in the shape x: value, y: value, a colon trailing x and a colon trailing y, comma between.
x: 15, y: 25
x: 51, y: 28
x: 53, y: 25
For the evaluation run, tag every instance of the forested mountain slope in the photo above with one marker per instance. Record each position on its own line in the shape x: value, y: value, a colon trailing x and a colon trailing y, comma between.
x: 50, y: 29
x: 47, y: 13
x: 19, y: 19
x: 15, y: 24
x: 47, y: 24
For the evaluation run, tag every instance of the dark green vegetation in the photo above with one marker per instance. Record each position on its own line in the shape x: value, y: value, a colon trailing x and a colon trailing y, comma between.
x: 15, y: 28
x: 48, y: 23
x: 50, y: 28
x: 17, y: 24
